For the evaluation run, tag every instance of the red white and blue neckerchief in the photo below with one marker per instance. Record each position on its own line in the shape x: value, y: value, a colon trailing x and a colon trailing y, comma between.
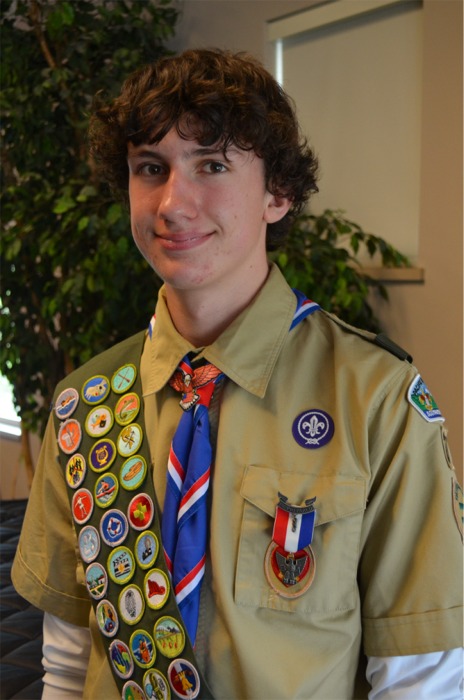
x: 185, y: 515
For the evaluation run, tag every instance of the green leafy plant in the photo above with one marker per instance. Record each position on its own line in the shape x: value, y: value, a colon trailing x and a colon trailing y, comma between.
x: 320, y: 257
x: 72, y: 281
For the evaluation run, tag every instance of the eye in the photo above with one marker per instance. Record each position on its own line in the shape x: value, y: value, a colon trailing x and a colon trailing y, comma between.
x: 150, y: 169
x: 214, y: 166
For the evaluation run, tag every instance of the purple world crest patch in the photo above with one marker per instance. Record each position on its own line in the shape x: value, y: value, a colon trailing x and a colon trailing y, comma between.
x: 313, y: 429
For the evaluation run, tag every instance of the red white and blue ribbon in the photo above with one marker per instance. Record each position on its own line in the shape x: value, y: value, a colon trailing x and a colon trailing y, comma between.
x: 185, y: 514
x: 294, y: 525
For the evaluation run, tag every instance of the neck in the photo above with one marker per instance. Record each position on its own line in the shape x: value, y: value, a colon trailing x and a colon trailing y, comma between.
x: 201, y: 317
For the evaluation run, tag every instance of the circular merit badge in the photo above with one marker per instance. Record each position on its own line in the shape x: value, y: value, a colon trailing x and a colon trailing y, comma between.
x: 127, y: 408
x: 156, y: 588
x: 123, y: 378
x: 146, y: 549
x: 133, y: 472
x: 140, y: 511
x: 66, y: 403
x: 89, y: 543
x: 131, y: 604
x: 75, y: 470
x: 69, y: 436
x: 156, y: 686
x: 121, y: 658
x: 106, y: 490
x: 102, y: 455
x: 129, y: 440
x: 289, y: 574
x: 99, y: 421
x: 114, y: 527
x: 169, y: 636
x: 121, y: 565
x: 96, y: 580
x: 184, y: 679
x: 96, y: 389
x: 132, y: 691
x: 143, y: 649
x: 82, y: 506
x: 107, y: 618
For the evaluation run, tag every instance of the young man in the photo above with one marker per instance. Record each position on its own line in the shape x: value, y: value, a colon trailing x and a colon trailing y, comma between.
x: 320, y: 557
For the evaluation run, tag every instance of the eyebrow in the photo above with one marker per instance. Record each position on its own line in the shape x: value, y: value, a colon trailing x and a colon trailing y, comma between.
x: 151, y: 152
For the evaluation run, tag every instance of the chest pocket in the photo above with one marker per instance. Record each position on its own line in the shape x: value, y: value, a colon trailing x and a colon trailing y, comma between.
x: 340, y: 505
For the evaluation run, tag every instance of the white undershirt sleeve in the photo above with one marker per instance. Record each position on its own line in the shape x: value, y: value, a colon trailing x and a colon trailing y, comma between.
x: 435, y: 676
x: 66, y: 653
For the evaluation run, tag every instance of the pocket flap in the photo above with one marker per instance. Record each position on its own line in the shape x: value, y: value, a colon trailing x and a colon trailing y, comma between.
x: 337, y: 496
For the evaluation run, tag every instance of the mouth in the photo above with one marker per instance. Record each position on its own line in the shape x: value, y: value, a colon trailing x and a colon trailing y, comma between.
x: 182, y: 241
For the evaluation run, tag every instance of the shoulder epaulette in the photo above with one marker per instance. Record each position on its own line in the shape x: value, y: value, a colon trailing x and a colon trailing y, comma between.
x: 379, y: 339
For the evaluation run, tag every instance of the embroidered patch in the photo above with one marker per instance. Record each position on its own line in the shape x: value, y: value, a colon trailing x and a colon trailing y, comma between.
x: 127, y: 408
x: 169, y: 636
x: 420, y: 397
x: 121, y: 565
x: 143, y: 648
x: 156, y: 685
x: 107, y: 618
x: 156, y: 588
x: 99, y: 421
x: 129, y: 440
x: 102, y: 455
x: 313, y: 429
x: 121, y: 658
x: 106, y: 490
x: 123, y: 378
x: 146, y: 549
x: 114, y: 527
x: 96, y: 389
x: 184, y: 679
x: 132, y: 691
x: 75, y: 471
x: 458, y: 505
x: 140, y: 511
x: 69, y: 436
x: 96, y: 580
x: 66, y: 403
x: 133, y: 472
x: 89, y: 543
x: 131, y: 604
x: 82, y: 506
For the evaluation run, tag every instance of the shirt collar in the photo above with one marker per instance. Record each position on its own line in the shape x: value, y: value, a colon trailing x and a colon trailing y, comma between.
x: 246, y: 351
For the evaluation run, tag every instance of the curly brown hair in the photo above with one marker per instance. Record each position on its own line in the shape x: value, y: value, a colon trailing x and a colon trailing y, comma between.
x: 216, y: 97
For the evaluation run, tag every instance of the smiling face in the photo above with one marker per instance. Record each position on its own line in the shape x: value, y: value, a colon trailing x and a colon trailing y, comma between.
x: 199, y: 217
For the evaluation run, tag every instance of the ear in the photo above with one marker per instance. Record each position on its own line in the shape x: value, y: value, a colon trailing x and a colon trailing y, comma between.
x: 276, y: 208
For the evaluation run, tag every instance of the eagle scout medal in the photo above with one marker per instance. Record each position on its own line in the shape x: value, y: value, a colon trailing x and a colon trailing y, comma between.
x: 156, y: 686
x: 184, y: 679
x: 289, y: 563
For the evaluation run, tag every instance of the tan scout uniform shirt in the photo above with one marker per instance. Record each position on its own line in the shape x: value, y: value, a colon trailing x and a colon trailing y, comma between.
x: 386, y: 543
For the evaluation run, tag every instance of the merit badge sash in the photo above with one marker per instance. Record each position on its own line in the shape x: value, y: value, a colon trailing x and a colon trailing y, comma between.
x: 100, y: 428
x: 289, y: 563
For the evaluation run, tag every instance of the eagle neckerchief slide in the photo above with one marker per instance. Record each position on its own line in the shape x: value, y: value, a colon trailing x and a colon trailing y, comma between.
x: 100, y: 426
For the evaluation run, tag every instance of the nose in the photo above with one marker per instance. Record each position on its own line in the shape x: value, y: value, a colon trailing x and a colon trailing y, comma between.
x: 177, y: 198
